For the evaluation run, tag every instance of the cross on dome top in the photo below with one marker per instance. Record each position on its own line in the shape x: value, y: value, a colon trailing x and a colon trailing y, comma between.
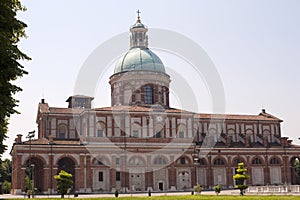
x: 138, y: 14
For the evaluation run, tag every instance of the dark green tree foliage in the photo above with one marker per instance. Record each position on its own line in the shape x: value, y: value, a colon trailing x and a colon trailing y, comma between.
x: 5, y: 174
x: 6, y: 186
x: 297, y: 167
x: 28, y: 184
x: 64, y: 182
x: 240, y: 178
x: 11, y: 30
x: 5, y: 170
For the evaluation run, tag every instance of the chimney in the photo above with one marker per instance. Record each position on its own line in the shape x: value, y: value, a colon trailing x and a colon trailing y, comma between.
x: 263, y: 110
x: 19, y: 139
x: 43, y: 101
x: 283, y: 141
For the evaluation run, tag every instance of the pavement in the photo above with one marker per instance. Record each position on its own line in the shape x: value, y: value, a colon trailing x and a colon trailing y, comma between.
x: 223, y: 192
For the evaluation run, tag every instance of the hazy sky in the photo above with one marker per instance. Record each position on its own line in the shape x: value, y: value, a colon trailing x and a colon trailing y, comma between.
x: 254, y: 45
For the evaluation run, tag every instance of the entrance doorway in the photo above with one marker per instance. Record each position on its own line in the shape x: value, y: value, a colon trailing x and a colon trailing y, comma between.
x: 160, y: 186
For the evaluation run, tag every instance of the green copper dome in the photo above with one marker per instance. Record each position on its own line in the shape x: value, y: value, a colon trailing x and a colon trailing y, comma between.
x: 139, y: 58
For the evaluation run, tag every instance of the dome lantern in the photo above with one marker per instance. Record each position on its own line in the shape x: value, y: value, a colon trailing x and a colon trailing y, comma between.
x: 139, y: 37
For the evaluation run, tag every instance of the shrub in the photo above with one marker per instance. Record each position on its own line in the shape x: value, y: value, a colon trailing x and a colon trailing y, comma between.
x: 198, y: 189
x: 218, y: 188
x: 116, y: 193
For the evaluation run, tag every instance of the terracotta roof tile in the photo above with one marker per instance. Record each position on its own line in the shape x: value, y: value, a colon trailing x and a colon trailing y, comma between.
x: 259, y: 117
x: 142, y: 109
x: 57, y: 142
x: 66, y: 110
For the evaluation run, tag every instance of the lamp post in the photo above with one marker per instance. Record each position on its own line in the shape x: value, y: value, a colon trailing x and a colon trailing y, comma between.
x: 30, y: 136
x: 32, y: 186
x: 196, y: 161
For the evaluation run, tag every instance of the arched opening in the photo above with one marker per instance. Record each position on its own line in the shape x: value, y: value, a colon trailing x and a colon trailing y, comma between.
x: 35, y: 172
x: 68, y: 165
x: 295, y: 178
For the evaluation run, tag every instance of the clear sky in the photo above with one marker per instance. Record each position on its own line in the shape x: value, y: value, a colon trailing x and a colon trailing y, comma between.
x: 254, y: 45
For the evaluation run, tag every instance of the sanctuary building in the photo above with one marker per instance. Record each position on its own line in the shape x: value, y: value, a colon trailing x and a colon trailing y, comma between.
x: 141, y: 143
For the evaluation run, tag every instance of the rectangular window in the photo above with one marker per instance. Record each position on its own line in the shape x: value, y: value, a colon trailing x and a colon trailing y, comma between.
x: 118, y: 176
x: 100, y: 176
x: 181, y: 134
x: 61, y: 135
x: 158, y: 135
x: 135, y: 133
x: 117, y: 161
x: 148, y: 94
x: 182, y: 161
x: 100, y: 133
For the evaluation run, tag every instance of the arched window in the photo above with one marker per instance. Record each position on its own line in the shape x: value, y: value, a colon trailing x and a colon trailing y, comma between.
x: 148, y: 94
x: 62, y: 131
x: 256, y: 161
x: 201, y: 161
x: 160, y: 161
x: 137, y: 161
x: 236, y: 161
x: 219, y: 162
x: 274, y: 161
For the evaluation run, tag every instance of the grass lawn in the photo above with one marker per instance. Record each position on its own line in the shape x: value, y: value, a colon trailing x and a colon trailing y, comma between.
x: 209, y: 197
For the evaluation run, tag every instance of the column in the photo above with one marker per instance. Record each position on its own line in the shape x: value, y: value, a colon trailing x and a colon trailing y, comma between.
x: 193, y: 176
x: 81, y: 177
x: 47, y: 177
x: 209, y: 173
x: 55, y: 171
x: 229, y: 172
x: 77, y: 179
x: 249, y: 171
x: 266, y: 172
x: 88, y: 174
x: 149, y: 180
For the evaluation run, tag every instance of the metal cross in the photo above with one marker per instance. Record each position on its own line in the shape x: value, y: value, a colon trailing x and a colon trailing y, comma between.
x: 138, y: 12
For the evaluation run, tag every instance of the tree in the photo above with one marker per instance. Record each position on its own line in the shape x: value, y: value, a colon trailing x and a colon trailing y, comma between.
x: 11, y: 31
x: 5, y: 170
x: 64, y: 182
x: 5, y: 173
x: 297, y: 167
x: 6, y: 186
x: 28, y: 185
x: 240, y: 178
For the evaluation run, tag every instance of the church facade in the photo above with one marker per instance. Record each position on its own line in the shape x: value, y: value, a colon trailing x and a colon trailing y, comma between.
x: 140, y: 143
